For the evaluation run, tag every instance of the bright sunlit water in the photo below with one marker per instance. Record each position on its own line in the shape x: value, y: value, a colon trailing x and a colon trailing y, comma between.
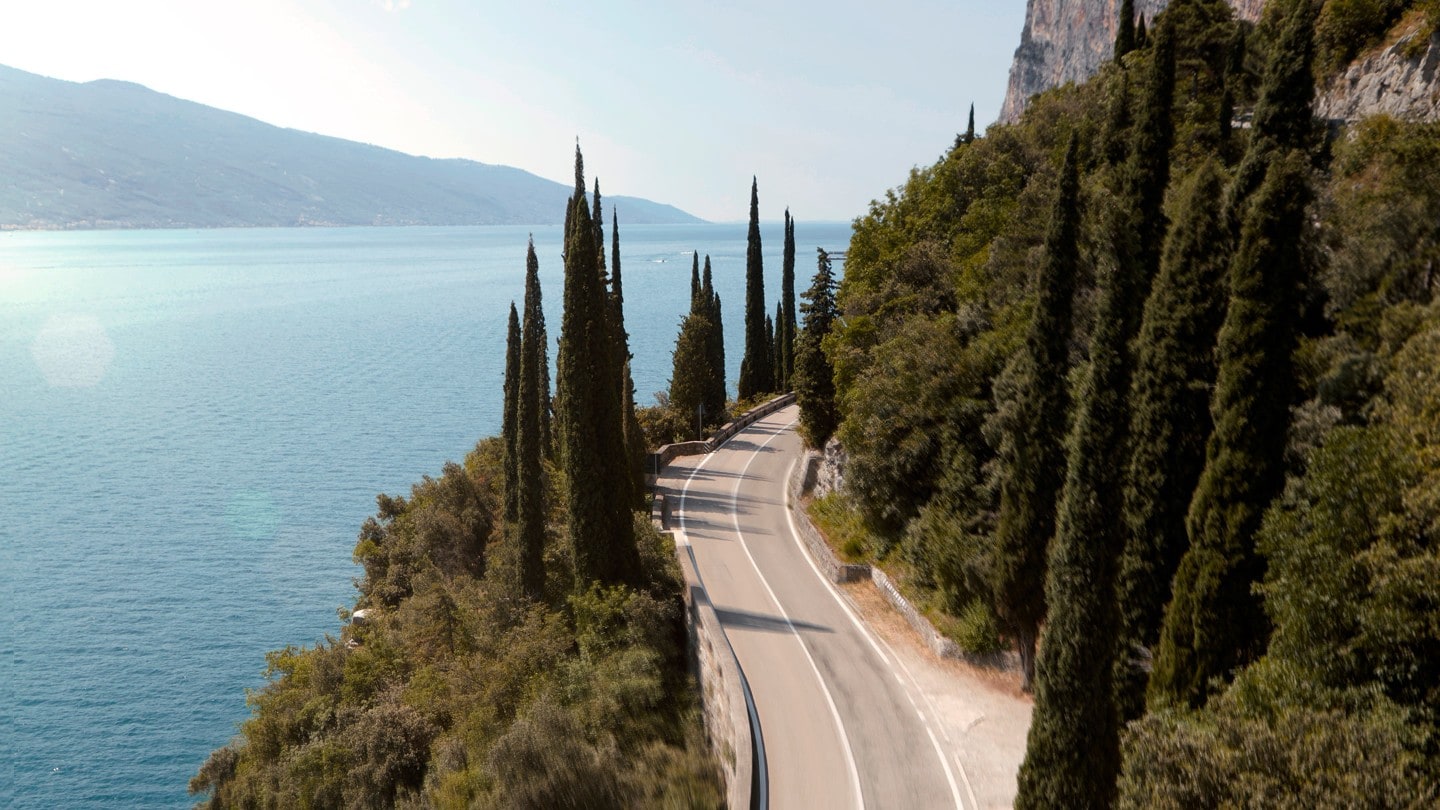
x: 194, y: 424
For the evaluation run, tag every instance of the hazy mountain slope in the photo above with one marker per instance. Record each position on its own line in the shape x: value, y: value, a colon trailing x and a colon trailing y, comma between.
x: 115, y: 154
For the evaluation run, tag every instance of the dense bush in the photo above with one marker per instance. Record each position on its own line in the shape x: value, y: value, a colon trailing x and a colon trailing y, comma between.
x: 457, y: 692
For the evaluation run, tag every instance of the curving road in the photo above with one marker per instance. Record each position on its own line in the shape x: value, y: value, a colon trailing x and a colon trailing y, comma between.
x: 841, y: 724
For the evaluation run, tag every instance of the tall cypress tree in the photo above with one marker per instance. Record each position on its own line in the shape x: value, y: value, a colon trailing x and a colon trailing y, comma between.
x: 634, y: 435
x: 1215, y: 623
x: 592, y: 451
x: 1125, y: 31
x: 510, y: 421
x: 1170, y: 419
x: 785, y: 319
x: 970, y: 126
x: 529, y: 444
x: 772, y: 336
x: 1072, y: 756
x: 814, y: 377
x: 1032, y: 457
x: 695, y: 300
x: 755, y: 375
x: 715, y: 346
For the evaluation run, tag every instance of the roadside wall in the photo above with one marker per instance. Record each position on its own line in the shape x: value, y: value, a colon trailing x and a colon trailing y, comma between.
x: 801, y: 482
x: 728, y: 708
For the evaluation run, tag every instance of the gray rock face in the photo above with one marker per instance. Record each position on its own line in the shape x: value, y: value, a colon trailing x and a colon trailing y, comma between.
x: 1387, y: 81
x: 1068, y: 40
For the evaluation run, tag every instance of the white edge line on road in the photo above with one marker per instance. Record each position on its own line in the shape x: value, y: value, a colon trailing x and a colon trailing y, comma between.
x: 762, y: 778
x: 875, y: 643
x: 824, y: 688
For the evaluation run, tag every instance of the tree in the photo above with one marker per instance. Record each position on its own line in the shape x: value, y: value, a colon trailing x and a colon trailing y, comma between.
x: 690, y: 370
x: 814, y: 377
x: 714, y: 398
x: 588, y: 412
x: 530, y: 442
x: 1125, y: 30
x: 1170, y: 418
x: 785, y: 316
x: 1214, y: 622
x: 755, y: 372
x: 510, y: 421
x: 634, y: 437
x: 1032, y: 455
x: 1072, y: 756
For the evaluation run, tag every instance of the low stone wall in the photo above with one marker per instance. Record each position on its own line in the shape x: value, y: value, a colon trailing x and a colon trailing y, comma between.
x: 801, y: 481
x: 730, y: 720
x: 656, y: 462
x: 724, y: 696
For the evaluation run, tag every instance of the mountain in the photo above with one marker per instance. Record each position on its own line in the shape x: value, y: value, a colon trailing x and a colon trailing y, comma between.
x: 110, y: 154
x: 1067, y: 41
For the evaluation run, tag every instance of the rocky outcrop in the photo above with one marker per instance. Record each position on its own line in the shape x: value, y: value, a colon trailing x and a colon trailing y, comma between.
x: 1398, y: 79
x: 1068, y: 40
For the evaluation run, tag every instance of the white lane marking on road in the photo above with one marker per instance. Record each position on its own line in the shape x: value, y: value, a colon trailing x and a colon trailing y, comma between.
x: 824, y: 688
x: 875, y: 643
x: 762, y: 778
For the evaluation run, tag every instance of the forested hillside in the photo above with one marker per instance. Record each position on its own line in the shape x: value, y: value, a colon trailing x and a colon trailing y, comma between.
x: 1148, y: 383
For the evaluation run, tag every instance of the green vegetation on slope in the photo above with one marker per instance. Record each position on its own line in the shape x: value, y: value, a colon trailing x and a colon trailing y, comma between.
x: 1297, y: 668
x: 513, y: 645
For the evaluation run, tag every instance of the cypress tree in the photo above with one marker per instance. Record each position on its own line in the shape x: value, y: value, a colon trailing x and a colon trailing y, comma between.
x: 970, y: 127
x: 1115, y: 138
x: 510, y: 421
x: 755, y: 376
x: 1283, y: 118
x: 1125, y: 31
x: 785, y: 319
x: 814, y: 382
x: 634, y: 434
x: 715, y: 347
x: 772, y: 338
x: 1073, y: 750
x: 1033, y: 457
x: 1170, y: 418
x: 1142, y: 37
x: 1147, y: 173
x: 529, y: 445
x: 1214, y: 623
x: 689, y: 372
x: 695, y: 300
x: 592, y: 451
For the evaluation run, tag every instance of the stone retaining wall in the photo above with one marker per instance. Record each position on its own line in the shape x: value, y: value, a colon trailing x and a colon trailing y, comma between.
x: 801, y: 481
x: 730, y: 721
x: 724, y: 696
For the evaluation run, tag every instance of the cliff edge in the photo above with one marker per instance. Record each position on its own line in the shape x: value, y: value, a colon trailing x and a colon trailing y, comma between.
x: 1068, y: 40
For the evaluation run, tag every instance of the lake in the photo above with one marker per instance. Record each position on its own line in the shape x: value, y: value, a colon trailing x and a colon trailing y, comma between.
x: 193, y: 426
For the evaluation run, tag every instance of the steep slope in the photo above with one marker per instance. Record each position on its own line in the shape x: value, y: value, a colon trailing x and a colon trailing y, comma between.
x: 1398, y: 79
x: 115, y: 154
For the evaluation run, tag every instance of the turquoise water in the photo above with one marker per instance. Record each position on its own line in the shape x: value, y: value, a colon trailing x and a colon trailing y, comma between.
x: 193, y: 426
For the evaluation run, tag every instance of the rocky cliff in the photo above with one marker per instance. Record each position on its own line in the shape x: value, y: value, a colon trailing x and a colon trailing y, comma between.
x: 1067, y: 40
x: 1399, y: 79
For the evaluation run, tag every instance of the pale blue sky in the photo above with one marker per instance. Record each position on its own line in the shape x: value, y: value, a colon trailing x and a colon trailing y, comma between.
x: 829, y: 104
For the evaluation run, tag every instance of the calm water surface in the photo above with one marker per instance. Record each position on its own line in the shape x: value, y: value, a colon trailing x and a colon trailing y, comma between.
x: 193, y: 425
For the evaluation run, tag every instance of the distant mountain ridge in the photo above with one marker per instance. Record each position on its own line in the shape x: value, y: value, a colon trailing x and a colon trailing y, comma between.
x: 111, y: 154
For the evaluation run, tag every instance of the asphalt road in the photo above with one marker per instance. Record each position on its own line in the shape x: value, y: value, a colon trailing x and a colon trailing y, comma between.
x: 841, y: 723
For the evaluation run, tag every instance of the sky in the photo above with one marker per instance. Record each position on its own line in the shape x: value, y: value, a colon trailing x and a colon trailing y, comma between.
x: 828, y: 104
